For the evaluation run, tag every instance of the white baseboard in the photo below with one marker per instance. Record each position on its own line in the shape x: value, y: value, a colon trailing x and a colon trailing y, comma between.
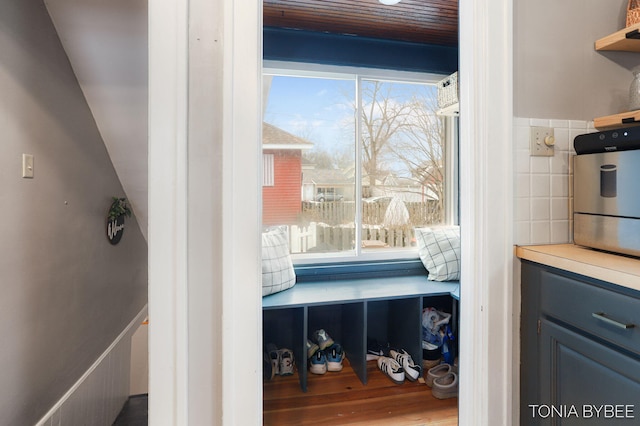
x: 98, y: 396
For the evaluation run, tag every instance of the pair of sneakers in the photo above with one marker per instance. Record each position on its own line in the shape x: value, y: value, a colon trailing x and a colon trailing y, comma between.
x: 281, y: 361
x: 398, y: 366
x: 324, y: 354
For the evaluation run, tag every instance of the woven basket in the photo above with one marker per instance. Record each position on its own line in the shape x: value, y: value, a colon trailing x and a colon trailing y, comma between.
x: 448, y: 90
x: 633, y: 12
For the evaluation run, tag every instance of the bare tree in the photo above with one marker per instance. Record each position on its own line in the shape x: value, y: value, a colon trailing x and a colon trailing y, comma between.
x: 422, y: 147
x: 384, y: 115
x: 320, y: 158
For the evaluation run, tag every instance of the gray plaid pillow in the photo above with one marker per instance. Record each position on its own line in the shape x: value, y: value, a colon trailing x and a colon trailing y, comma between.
x: 439, y: 249
x: 277, y: 268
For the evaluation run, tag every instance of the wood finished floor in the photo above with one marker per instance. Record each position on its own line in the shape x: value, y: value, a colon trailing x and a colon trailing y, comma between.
x: 340, y: 399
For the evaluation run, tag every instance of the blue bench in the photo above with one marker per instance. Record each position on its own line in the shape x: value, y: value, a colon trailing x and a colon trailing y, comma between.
x: 387, y: 308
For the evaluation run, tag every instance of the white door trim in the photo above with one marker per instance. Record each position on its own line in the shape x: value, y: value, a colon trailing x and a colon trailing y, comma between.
x: 486, y: 340
x: 167, y: 236
x: 205, y: 316
x: 235, y: 383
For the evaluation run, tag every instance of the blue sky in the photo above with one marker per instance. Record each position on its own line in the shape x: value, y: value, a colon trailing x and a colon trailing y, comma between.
x: 314, y: 108
x: 321, y: 110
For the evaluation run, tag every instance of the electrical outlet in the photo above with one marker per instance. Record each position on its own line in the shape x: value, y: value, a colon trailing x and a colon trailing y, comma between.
x: 542, y: 142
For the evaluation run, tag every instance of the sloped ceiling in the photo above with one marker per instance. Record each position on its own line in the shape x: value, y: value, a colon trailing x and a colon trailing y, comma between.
x: 106, y: 42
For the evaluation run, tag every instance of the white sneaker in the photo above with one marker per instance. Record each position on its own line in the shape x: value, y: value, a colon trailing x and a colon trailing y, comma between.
x: 286, y: 362
x: 392, y: 369
x: 411, y: 370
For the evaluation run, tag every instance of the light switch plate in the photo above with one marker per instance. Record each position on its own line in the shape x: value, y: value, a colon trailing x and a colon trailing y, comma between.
x: 541, y: 142
x: 27, y: 166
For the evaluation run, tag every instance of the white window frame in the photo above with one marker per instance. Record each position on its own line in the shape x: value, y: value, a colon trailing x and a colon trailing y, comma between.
x: 296, y: 69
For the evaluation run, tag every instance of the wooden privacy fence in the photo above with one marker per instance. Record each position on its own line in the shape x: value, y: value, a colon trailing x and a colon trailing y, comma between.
x: 343, y: 212
x: 321, y: 237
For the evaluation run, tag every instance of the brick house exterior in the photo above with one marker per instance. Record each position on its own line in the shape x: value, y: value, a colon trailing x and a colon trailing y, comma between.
x: 282, y: 176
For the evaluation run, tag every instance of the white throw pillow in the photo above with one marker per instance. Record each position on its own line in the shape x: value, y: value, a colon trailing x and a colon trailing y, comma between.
x: 439, y: 249
x: 277, y: 268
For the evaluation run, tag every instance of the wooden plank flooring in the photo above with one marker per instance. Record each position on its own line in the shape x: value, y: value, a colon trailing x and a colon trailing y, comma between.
x: 340, y: 399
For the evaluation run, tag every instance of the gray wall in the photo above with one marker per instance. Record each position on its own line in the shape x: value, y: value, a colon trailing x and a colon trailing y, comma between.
x: 65, y: 292
x: 557, y: 72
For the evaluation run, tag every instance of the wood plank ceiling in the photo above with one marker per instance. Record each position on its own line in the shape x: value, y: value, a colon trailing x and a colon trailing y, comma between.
x: 421, y: 21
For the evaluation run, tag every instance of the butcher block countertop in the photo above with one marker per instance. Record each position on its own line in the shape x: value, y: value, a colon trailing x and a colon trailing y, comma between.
x: 616, y: 269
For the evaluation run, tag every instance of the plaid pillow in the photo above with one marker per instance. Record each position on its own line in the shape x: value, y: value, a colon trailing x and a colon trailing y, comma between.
x: 439, y: 250
x: 277, y: 268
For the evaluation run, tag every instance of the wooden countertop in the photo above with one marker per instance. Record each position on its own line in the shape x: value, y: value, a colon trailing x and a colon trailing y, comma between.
x: 616, y: 269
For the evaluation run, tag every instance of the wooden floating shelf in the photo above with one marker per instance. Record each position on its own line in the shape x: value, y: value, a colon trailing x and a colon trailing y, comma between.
x: 615, y: 121
x: 627, y: 39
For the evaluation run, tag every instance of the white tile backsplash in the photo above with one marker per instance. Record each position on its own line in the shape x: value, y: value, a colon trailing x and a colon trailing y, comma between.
x: 541, y: 185
x: 540, y: 232
x: 560, y: 208
x: 560, y: 232
x: 540, y: 165
x: 560, y: 185
x: 542, y: 189
x: 523, y: 185
x: 522, y: 161
x: 540, y: 209
x: 562, y: 139
x: 523, y: 209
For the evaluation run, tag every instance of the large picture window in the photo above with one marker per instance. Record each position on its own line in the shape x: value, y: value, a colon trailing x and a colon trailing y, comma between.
x: 359, y: 161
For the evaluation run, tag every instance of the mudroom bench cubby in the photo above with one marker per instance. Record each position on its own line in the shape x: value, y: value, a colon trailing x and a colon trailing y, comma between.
x: 387, y: 308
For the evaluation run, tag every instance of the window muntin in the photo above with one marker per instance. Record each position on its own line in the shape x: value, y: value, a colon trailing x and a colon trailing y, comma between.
x: 362, y: 205
x: 268, y: 178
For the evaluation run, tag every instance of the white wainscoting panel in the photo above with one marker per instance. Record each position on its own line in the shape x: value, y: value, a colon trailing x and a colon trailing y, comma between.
x: 98, y: 396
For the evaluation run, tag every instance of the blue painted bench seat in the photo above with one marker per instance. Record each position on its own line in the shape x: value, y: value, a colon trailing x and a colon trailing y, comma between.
x: 357, y: 290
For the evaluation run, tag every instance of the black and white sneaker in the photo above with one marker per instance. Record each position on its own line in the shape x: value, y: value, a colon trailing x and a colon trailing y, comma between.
x: 411, y: 370
x: 374, y: 349
x: 392, y: 369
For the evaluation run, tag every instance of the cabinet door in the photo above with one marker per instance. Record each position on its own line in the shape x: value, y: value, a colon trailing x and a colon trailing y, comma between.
x: 583, y: 381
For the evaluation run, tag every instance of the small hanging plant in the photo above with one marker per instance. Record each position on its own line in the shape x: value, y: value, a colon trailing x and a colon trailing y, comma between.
x: 115, y: 219
x: 119, y: 207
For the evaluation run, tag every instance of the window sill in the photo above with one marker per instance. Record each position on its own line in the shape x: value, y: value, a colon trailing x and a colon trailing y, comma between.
x: 359, y: 269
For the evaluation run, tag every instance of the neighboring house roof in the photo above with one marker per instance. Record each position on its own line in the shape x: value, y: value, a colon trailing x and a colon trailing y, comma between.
x: 325, y: 177
x: 276, y: 138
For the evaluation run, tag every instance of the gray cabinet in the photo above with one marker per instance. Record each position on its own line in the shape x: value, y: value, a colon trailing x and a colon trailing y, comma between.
x: 580, y: 353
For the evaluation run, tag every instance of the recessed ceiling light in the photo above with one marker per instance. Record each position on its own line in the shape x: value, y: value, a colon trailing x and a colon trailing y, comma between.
x: 389, y: 2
